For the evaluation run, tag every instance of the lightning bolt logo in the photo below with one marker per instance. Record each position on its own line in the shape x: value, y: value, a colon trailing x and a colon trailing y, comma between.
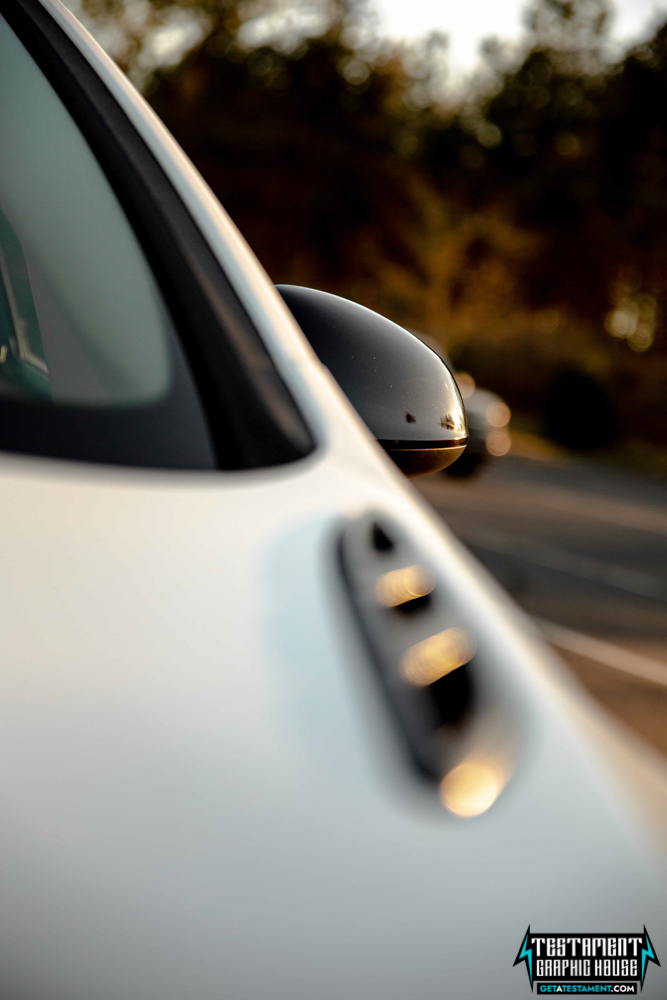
x: 526, y: 955
x: 648, y: 955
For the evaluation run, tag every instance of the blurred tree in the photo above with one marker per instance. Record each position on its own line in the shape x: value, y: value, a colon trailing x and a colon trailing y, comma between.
x: 576, y: 150
x: 533, y: 146
x: 572, y: 28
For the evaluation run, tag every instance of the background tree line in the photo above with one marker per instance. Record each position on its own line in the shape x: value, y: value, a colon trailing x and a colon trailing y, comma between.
x: 522, y: 224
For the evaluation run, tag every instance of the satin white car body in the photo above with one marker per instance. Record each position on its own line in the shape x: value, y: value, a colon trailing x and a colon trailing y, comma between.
x: 204, y: 790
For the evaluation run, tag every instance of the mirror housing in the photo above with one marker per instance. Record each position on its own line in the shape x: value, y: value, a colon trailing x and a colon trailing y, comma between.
x: 400, y: 388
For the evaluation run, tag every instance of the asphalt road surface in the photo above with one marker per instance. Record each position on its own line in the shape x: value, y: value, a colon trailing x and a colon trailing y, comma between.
x: 583, y: 549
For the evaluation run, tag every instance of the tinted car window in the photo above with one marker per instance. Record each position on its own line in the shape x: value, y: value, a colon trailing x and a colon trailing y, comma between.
x: 74, y: 276
x: 121, y: 339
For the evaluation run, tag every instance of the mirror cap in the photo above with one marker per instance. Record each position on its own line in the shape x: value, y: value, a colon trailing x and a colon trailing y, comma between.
x: 401, y: 389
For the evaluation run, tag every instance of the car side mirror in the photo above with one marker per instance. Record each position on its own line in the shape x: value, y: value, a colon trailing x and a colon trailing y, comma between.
x: 402, y: 390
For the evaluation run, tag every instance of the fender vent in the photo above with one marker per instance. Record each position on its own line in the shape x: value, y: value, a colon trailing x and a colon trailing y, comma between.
x: 423, y: 653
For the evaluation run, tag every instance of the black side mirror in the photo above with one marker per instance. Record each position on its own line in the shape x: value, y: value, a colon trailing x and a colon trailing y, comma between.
x: 401, y: 389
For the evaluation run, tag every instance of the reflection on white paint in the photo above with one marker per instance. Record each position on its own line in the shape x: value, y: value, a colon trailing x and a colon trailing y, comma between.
x: 470, y: 789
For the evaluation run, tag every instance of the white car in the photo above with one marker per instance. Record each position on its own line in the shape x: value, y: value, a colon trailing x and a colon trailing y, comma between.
x: 488, y: 420
x: 266, y: 729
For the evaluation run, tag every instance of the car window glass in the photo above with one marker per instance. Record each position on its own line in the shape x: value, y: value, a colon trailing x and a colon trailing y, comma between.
x: 81, y: 321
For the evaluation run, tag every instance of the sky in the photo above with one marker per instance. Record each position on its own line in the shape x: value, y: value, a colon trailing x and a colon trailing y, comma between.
x: 469, y: 22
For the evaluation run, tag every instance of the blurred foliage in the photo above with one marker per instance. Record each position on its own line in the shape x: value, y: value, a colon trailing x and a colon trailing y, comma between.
x: 525, y: 222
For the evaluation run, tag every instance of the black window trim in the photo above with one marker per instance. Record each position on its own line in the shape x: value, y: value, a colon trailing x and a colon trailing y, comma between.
x: 252, y: 417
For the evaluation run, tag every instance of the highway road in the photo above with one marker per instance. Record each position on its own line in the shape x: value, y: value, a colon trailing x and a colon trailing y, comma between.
x: 583, y: 549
